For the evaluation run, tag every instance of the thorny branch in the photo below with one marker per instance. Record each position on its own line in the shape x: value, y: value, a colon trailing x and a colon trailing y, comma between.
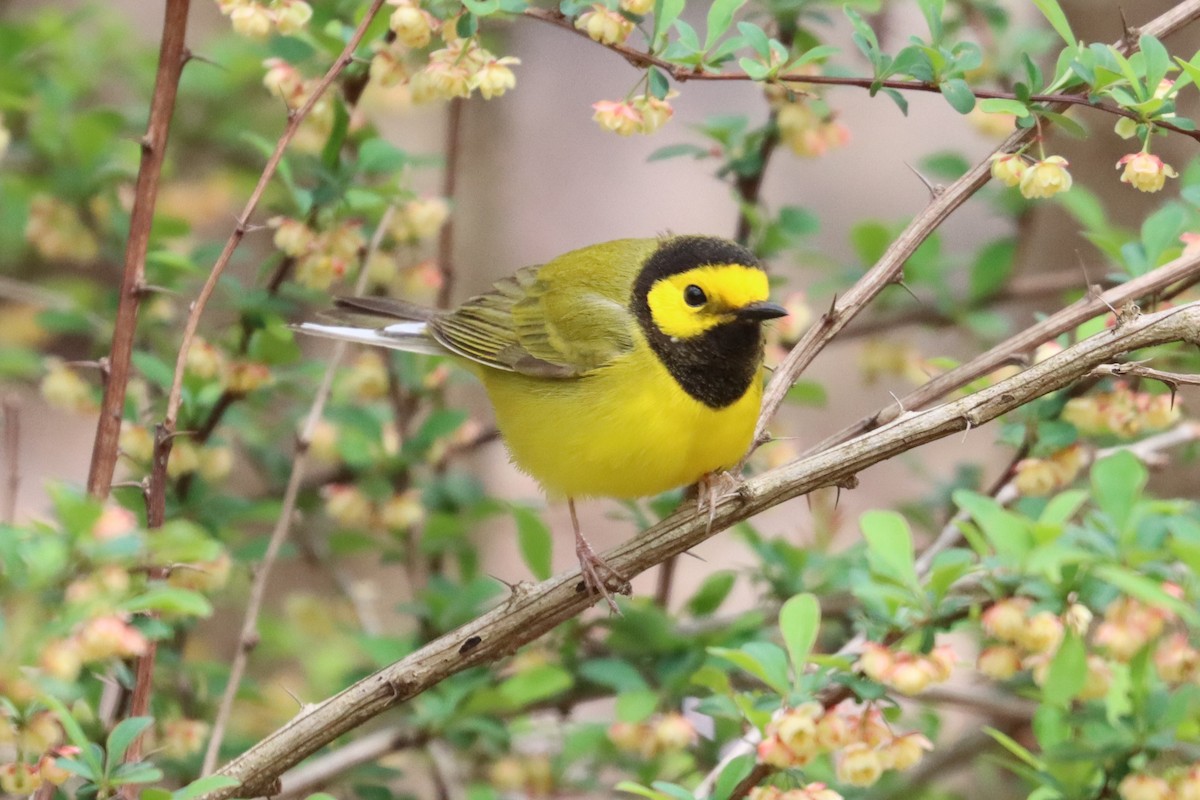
x: 534, y: 610
x: 258, y: 590
x: 172, y: 56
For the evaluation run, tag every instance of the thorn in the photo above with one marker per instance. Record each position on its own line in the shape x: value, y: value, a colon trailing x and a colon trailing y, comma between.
x: 837, y: 497
x: 189, y: 55
x: 900, y: 282
x: 899, y: 403
x: 934, y: 190
x: 967, y: 429
x: 512, y: 587
x: 100, y: 364
x: 693, y: 555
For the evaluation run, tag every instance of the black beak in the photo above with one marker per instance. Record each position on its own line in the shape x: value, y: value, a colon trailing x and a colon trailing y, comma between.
x: 759, y: 312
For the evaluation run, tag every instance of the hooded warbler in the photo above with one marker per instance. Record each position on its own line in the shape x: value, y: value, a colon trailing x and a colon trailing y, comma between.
x: 620, y: 370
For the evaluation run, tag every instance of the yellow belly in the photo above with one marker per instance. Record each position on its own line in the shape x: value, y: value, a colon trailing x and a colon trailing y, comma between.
x: 626, y: 430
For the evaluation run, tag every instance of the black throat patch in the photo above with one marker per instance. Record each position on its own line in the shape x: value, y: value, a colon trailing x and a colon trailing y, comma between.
x: 718, y: 366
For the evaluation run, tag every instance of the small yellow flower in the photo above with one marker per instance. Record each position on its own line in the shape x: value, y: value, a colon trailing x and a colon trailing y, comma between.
x: 604, y: 25
x: 251, y: 20
x: 412, y: 26
x: 1046, y: 178
x: 495, y: 78
x: 1009, y: 168
x: 1145, y: 172
x: 655, y: 112
x: 1140, y: 786
x: 619, y: 117
x: 291, y: 16
x: 639, y: 7
x: 859, y: 765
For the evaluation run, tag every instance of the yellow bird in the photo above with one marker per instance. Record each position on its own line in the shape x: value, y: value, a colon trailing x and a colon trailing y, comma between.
x: 618, y: 370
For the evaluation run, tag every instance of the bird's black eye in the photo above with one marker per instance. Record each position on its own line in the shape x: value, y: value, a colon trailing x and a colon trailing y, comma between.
x: 694, y: 296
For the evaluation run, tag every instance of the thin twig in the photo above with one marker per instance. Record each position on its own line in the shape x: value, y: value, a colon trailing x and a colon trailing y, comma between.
x: 162, y: 444
x: 248, y: 638
x: 445, y: 251
x: 1185, y: 269
x: 1166, y: 23
x: 172, y: 55
x: 532, y: 610
x: 12, y: 463
x: 889, y: 268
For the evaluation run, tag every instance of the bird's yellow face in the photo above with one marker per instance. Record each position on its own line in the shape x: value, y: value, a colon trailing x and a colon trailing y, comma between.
x: 691, y: 303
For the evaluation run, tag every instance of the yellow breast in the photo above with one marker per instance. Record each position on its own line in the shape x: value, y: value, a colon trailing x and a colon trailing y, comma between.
x: 627, y: 430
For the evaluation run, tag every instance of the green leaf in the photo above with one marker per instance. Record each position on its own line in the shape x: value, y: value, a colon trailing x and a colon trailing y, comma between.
x: 1117, y: 484
x: 618, y: 675
x: 75, y: 735
x: 807, y: 393
x: 636, y: 706
x: 677, y: 150
x: 763, y: 660
x: 153, y: 368
x: 712, y: 593
x: 1011, y: 745
x: 1156, y: 59
x: 799, y: 621
x: 482, y: 8
x: 659, y: 86
x: 1067, y: 673
x: 169, y: 600
x: 890, y: 546
x: 720, y: 17
x: 734, y: 773
x: 1058, y: 20
x: 958, y: 94
x: 536, y: 683
x: 122, y: 736
x: 665, y: 14
x: 630, y: 787
x: 380, y: 156
x: 991, y: 270
x: 535, y: 542
x: 1007, y: 533
x: 1062, y: 507
x: 999, y: 105
x: 1147, y: 590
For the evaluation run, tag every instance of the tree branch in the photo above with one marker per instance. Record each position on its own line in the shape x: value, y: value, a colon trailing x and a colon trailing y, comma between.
x: 533, y: 610
x: 166, y: 430
x: 248, y: 638
x: 172, y: 55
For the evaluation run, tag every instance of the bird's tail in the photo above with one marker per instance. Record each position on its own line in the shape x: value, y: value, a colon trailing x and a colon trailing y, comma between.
x: 409, y: 336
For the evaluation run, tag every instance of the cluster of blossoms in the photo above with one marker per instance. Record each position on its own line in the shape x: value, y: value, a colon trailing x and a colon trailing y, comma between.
x: 256, y: 20
x: 612, y: 26
x: 1038, y: 477
x: 1043, y: 178
x: 1029, y: 640
x: 907, y: 673
x: 1122, y: 412
x: 860, y: 742
x: 37, y: 736
x: 459, y: 68
x: 62, y: 387
x: 530, y: 775
x: 1049, y: 176
x: 213, y: 462
x: 350, y: 507
x: 1180, y: 783
x: 643, y: 113
x: 806, y: 125
x: 811, y: 791
x: 321, y: 257
x: 58, y: 233
x: 283, y: 80
x: 669, y: 733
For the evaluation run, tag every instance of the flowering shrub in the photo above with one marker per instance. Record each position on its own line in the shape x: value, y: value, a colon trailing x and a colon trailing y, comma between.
x: 1033, y: 622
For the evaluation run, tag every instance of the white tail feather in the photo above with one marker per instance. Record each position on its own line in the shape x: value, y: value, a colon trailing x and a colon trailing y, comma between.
x: 409, y: 336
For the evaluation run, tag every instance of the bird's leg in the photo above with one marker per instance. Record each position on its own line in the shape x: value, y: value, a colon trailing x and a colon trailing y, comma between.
x: 591, y: 565
x: 712, y: 488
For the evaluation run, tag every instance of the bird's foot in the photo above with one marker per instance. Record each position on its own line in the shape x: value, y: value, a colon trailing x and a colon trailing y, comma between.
x: 595, y: 571
x: 711, y: 489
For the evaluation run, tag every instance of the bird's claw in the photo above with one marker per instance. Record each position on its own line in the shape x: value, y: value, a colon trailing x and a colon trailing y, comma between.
x: 592, y: 565
x: 711, y: 489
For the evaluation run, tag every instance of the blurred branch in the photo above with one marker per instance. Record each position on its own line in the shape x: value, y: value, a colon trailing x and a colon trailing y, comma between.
x: 166, y: 429
x: 890, y: 267
x: 172, y: 55
x: 445, y: 251
x: 1162, y: 25
x: 532, y: 610
x: 248, y: 638
x: 12, y: 464
x: 1185, y: 269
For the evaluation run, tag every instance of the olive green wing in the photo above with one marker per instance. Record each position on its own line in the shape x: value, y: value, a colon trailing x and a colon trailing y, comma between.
x: 527, y: 325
